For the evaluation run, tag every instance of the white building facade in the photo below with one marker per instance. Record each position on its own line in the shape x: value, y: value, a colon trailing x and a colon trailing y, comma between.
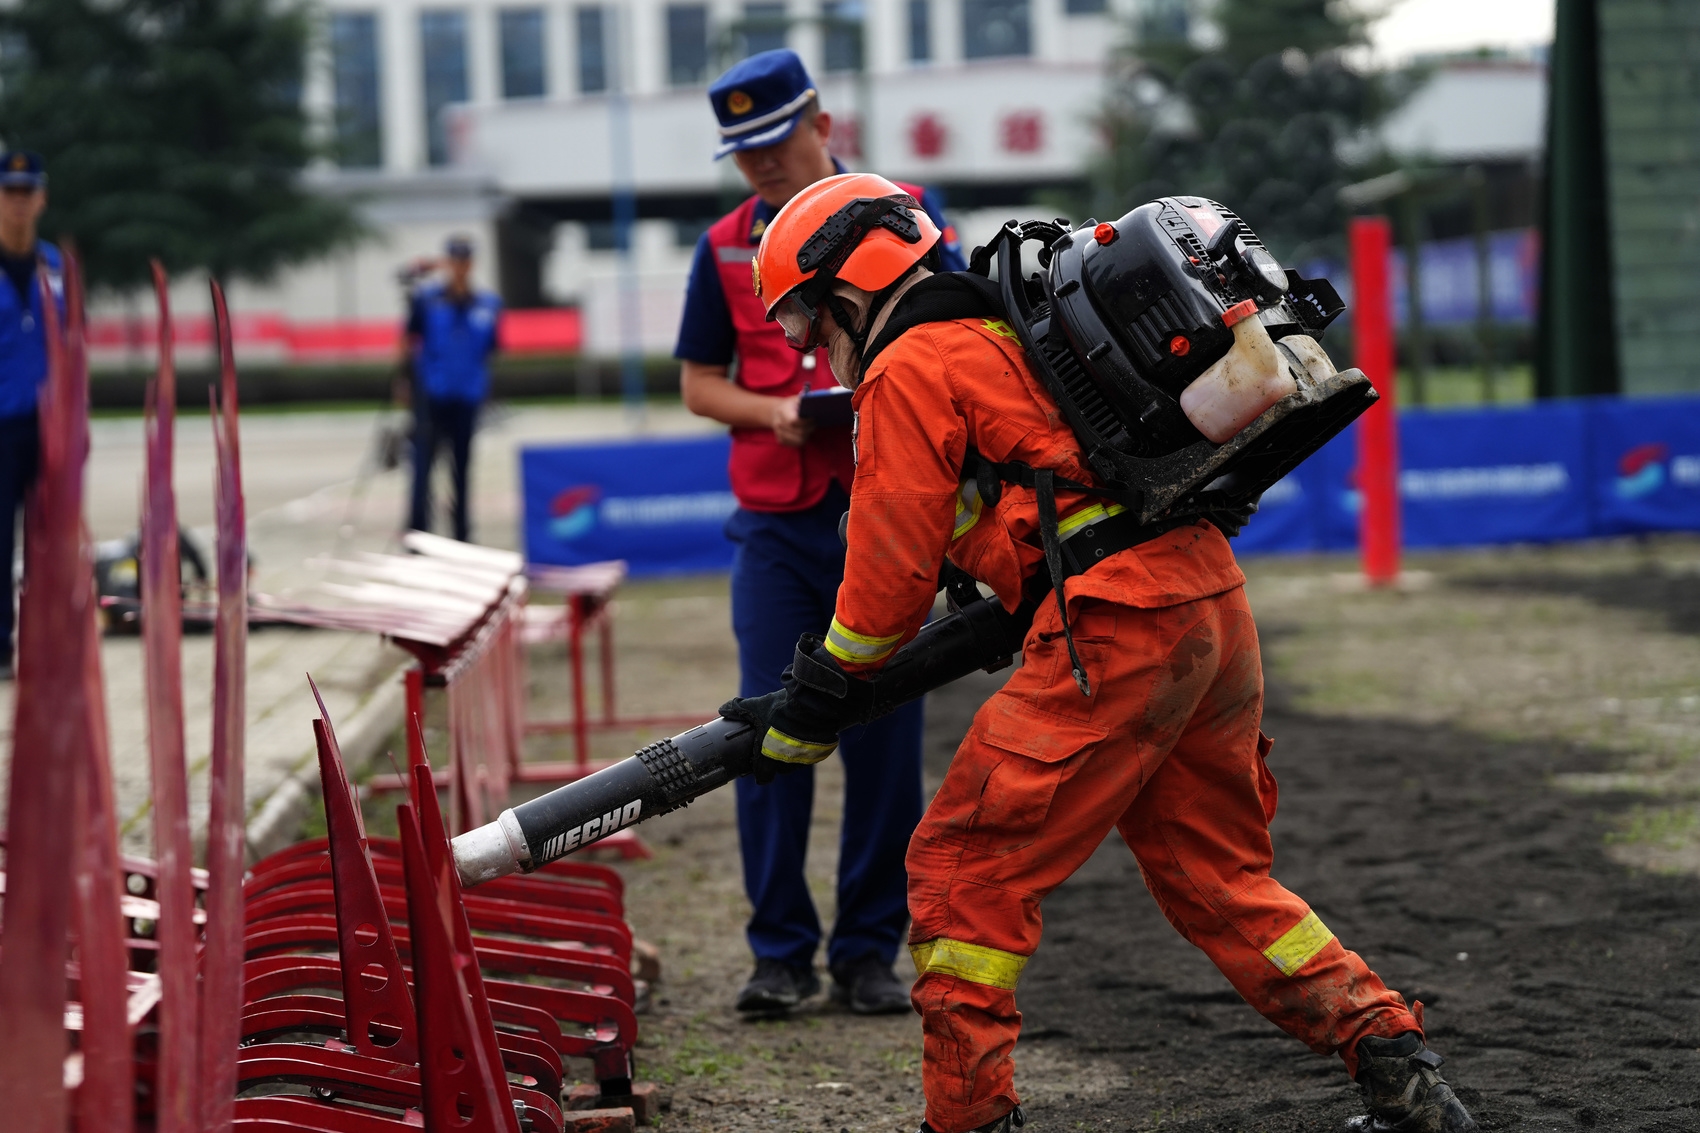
x: 513, y: 121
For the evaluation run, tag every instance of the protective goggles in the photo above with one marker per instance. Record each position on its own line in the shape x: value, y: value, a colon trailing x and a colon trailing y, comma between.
x: 799, y: 320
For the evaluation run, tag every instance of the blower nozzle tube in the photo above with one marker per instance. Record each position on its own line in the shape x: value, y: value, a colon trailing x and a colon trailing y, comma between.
x: 670, y: 773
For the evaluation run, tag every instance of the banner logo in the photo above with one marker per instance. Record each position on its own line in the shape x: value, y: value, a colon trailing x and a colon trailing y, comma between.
x: 1641, y: 470
x: 573, y: 512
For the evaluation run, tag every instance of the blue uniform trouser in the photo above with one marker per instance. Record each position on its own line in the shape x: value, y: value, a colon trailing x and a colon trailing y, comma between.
x: 19, y: 448
x: 785, y: 575
x: 438, y: 421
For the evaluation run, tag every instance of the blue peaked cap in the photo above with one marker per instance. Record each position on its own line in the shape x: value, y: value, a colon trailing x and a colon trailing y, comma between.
x: 759, y: 100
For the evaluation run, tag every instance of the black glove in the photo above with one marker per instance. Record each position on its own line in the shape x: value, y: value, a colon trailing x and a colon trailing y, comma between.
x: 1230, y: 520
x: 799, y: 725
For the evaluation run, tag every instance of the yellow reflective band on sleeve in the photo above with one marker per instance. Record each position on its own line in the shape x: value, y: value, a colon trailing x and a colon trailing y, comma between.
x: 972, y: 962
x: 968, y: 509
x: 1299, y: 944
x: 857, y: 648
x: 789, y: 749
x: 1076, y: 520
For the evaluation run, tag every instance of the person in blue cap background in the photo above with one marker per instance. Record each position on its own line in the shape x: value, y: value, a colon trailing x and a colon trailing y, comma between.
x: 792, y: 482
x: 451, y: 333
x: 23, y: 353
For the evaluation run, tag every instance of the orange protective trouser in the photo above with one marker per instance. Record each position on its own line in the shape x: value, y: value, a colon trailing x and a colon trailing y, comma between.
x: 1167, y: 750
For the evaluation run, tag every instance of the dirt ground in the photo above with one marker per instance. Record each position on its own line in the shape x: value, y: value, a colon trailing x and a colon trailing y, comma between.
x: 1488, y: 788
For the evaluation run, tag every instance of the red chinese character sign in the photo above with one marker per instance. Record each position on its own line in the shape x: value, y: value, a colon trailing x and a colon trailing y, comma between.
x: 1022, y: 131
x: 927, y: 136
x: 846, y: 140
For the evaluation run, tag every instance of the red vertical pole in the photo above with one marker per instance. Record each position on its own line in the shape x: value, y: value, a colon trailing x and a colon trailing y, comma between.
x: 575, y: 659
x: 221, y: 960
x: 106, y: 1099
x: 605, y: 634
x: 415, y: 685
x: 162, y: 671
x: 1378, y: 436
x: 39, y: 809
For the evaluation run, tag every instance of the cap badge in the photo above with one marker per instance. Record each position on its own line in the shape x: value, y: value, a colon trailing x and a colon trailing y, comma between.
x: 755, y: 275
x: 20, y: 163
x: 740, y: 103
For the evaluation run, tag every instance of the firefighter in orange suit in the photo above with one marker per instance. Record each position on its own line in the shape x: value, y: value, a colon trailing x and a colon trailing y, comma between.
x: 1154, y: 730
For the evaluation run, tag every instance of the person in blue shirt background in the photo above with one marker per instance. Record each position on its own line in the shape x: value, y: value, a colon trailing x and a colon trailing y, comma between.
x: 451, y: 333
x: 23, y: 353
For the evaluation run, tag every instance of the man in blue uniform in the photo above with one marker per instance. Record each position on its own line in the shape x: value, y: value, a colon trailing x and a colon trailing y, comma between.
x: 23, y: 353
x: 451, y: 333
x: 792, y: 481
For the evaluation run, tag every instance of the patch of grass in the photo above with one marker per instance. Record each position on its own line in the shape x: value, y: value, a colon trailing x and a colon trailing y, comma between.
x: 1669, y: 828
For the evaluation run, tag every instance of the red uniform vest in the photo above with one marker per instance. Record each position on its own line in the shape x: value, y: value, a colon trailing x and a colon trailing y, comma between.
x: 766, y: 475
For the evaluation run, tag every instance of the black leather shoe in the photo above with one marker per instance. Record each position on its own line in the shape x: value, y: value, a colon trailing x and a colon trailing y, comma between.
x: 1008, y: 1123
x: 777, y: 987
x: 869, y: 987
x: 1403, y: 1088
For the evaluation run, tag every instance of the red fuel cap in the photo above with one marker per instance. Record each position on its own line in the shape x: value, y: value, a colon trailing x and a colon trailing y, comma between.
x: 1105, y: 233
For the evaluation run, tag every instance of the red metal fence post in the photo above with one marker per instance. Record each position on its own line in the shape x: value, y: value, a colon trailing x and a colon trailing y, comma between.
x: 106, y: 1099
x: 40, y: 807
x: 221, y: 971
x: 162, y: 634
x: 1378, y: 429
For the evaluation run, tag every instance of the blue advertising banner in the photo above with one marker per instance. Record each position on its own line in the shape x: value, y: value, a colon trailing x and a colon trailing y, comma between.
x: 1471, y: 477
x: 660, y: 505
x: 1468, y: 477
x: 1646, y: 465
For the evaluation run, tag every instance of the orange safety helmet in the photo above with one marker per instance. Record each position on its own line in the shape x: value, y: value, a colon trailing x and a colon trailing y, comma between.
x: 854, y: 227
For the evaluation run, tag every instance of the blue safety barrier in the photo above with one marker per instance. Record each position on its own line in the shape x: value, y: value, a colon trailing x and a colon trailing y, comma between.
x: 1468, y: 477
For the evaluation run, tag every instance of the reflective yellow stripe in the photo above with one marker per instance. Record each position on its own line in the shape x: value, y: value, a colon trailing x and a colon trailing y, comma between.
x: 1298, y: 944
x: 972, y: 962
x: 968, y: 509
x: 848, y: 645
x: 789, y: 749
x: 1076, y: 520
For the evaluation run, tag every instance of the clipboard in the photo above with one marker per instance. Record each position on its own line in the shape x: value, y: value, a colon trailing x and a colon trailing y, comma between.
x: 827, y: 408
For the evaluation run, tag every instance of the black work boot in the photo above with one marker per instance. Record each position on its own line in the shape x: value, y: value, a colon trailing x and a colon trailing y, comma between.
x: 1403, y: 1088
x: 1008, y: 1123
x: 868, y: 986
x: 777, y: 987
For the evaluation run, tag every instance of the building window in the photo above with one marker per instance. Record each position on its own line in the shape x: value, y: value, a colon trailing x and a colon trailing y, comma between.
x: 920, y: 31
x: 1083, y: 7
x: 592, y: 51
x: 762, y: 28
x: 841, y: 41
x: 354, y: 74
x: 442, y: 42
x: 1165, y: 21
x: 687, y: 44
x: 993, y: 28
x: 524, y: 74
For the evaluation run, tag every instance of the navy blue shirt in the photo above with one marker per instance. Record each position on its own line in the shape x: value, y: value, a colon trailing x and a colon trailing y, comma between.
x: 456, y: 338
x: 706, y: 334
x: 23, y: 337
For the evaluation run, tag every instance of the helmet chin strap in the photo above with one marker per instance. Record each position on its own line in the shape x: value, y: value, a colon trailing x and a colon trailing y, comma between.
x: 845, y: 318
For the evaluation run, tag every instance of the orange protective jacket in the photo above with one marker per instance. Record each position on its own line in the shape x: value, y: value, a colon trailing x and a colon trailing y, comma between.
x: 938, y: 389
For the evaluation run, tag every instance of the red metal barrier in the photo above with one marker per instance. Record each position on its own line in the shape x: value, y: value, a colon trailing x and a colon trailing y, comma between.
x: 175, y: 1109
x: 1378, y: 438
x: 221, y: 959
x: 587, y: 594
x: 304, y: 964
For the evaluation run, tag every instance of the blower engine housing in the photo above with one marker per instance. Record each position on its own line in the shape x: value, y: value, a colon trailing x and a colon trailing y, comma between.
x: 1122, y: 319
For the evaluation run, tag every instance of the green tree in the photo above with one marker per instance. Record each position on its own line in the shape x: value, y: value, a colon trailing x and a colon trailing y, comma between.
x: 171, y: 128
x: 1271, y: 120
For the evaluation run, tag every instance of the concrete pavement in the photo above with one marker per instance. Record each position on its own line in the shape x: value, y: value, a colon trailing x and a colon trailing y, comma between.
x: 311, y: 490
